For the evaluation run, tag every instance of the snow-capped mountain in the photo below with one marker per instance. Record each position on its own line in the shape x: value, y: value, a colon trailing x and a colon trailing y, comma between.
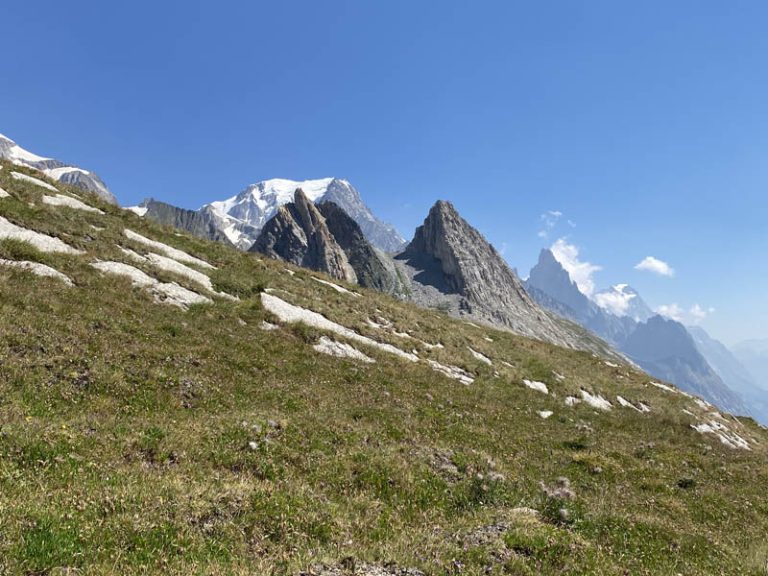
x: 55, y: 169
x: 243, y: 216
x: 623, y: 300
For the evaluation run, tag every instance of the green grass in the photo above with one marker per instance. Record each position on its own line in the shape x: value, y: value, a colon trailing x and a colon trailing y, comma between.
x: 126, y: 430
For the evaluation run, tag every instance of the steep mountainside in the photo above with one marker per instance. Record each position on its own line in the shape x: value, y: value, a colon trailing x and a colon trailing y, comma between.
x: 373, y: 267
x: 733, y: 373
x: 665, y: 349
x: 174, y: 406
x: 55, y: 169
x: 662, y: 347
x: 451, y: 266
x: 753, y: 355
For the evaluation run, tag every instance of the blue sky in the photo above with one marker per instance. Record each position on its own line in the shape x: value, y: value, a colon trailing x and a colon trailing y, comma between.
x: 644, y: 123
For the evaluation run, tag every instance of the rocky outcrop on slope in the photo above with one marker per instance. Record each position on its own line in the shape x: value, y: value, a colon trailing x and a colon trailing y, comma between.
x: 380, y: 234
x: 298, y: 234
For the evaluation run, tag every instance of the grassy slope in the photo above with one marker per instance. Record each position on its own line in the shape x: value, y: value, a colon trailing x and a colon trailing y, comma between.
x: 125, y: 429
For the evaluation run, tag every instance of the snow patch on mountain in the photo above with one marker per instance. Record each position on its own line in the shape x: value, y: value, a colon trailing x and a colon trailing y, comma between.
x: 623, y: 300
x: 17, y: 154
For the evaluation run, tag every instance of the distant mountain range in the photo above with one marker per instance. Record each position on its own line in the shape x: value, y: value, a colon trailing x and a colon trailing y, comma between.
x: 241, y: 217
x: 55, y: 169
x: 448, y: 266
x: 687, y: 357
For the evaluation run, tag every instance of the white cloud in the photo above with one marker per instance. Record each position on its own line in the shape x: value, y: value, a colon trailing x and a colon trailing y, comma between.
x: 698, y: 313
x: 694, y: 315
x: 548, y: 221
x: 671, y: 311
x: 580, y: 272
x: 616, y: 301
x: 651, y: 264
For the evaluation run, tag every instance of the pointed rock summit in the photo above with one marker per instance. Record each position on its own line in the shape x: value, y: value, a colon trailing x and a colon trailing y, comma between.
x: 325, y: 238
x: 299, y: 234
x: 550, y: 277
x: 453, y: 267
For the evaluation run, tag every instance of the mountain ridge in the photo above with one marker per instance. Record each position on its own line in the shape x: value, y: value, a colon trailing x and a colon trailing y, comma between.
x: 661, y: 346
x: 55, y: 169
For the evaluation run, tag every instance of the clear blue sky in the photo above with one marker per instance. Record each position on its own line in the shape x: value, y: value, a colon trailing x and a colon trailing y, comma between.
x: 644, y: 123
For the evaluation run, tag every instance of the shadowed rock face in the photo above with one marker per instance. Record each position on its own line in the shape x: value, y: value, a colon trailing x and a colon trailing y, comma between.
x: 298, y: 234
x: 452, y: 266
x: 665, y: 349
x: 198, y: 222
x: 372, y: 267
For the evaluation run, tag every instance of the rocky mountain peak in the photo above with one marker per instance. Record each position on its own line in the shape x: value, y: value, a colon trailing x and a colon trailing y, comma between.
x: 549, y: 277
x: 243, y: 216
x: 298, y: 233
x: 452, y: 266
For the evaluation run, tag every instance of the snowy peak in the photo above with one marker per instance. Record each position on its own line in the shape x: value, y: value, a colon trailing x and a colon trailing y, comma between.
x: 55, y: 169
x: 259, y: 202
x: 9, y: 150
x: 623, y: 300
x: 244, y: 215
